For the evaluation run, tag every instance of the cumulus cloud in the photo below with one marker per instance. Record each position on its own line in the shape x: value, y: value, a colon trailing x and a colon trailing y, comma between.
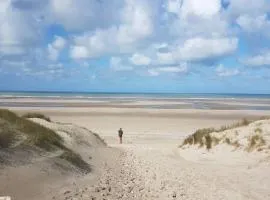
x: 206, y: 8
x: 173, y: 6
x: 259, y: 60
x: 247, y: 7
x: 158, y: 34
x: 55, y: 48
x: 226, y: 72
x: 81, y: 15
x: 180, y: 69
x: 135, y: 25
x: 259, y: 24
x: 19, y: 30
x: 138, y: 59
x: 79, y: 52
x: 202, y: 48
x: 117, y: 64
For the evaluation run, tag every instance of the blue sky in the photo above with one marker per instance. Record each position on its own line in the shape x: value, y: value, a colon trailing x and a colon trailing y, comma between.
x: 186, y: 46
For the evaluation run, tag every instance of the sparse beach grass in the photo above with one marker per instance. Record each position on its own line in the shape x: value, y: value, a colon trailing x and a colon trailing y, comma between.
x: 12, y: 126
x: 203, y: 137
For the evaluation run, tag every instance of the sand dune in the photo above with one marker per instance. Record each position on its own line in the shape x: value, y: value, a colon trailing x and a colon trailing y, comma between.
x: 149, y: 165
x: 32, y: 173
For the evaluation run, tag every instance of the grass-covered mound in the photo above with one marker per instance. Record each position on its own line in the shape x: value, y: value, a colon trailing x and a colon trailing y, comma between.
x: 246, y: 134
x: 16, y: 131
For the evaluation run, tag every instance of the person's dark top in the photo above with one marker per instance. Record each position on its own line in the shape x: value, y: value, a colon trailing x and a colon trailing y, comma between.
x: 120, y: 132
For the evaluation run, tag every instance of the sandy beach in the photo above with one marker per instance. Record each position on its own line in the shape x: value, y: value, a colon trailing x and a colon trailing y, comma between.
x: 149, y: 164
x: 141, y: 118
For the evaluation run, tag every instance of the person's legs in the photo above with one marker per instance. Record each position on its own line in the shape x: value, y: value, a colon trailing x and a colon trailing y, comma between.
x: 120, y: 140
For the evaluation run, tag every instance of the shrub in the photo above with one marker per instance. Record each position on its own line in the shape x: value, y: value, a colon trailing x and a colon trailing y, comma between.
x: 36, y: 115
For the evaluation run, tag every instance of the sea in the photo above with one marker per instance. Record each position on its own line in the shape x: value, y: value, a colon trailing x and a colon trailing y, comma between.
x: 215, y: 101
x: 131, y: 95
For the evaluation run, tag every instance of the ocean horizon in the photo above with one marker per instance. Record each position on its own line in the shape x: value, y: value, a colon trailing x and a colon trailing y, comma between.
x: 71, y: 94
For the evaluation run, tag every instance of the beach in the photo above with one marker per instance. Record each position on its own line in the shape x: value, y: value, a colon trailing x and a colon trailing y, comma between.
x: 150, y: 164
x: 142, y: 118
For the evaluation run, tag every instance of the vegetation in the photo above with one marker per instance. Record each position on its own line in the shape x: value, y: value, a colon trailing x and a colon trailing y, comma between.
x: 197, y: 137
x: 203, y: 136
x: 208, y: 141
x: 258, y: 130
x: 255, y: 141
x: 7, y: 135
x: 76, y: 160
x: 228, y: 141
x: 12, y: 126
x: 36, y: 134
x: 36, y: 115
x: 243, y: 122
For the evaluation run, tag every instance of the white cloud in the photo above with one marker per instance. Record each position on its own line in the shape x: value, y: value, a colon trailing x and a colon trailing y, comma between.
x: 182, y: 68
x: 79, y: 52
x: 139, y: 59
x: 226, y: 72
x: 18, y: 30
x: 201, y: 48
x: 134, y: 32
x: 247, y: 7
x: 59, y: 42
x: 206, y: 8
x: 165, y: 58
x: 153, y: 72
x: 173, y: 6
x: 259, y: 24
x: 116, y: 64
x: 55, y: 48
x: 84, y: 14
x: 259, y: 60
x: 135, y: 25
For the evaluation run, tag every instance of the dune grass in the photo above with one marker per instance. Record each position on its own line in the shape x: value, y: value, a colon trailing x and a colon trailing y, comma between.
x: 36, y: 115
x: 256, y: 140
x: 12, y: 125
x: 7, y: 135
x: 75, y: 160
x: 37, y: 135
x: 203, y: 137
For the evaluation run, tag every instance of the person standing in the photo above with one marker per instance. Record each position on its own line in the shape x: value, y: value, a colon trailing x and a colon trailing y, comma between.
x: 120, y: 134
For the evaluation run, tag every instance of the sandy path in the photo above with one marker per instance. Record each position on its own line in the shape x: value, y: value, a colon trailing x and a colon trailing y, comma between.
x: 144, y: 172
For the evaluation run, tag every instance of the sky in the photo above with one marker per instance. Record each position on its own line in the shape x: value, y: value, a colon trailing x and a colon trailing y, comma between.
x: 182, y: 46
